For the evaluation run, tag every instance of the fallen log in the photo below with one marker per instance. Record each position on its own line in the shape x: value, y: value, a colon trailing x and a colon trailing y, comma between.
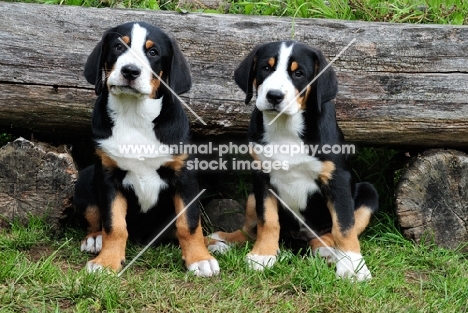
x: 400, y: 84
x: 432, y: 199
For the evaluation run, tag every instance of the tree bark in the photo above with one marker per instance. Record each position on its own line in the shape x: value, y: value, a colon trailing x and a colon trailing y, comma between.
x: 400, y: 84
x: 35, y: 180
x: 432, y: 198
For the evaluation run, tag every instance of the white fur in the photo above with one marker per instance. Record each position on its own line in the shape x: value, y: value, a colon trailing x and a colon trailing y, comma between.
x: 351, y: 265
x: 220, y: 246
x: 133, y: 113
x: 297, y: 182
x: 92, y: 267
x: 133, y: 126
x: 205, y: 268
x: 279, y: 80
x: 92, y: 244
x: 327, y: 253
x: 141, y: 86
x: 260, y: 262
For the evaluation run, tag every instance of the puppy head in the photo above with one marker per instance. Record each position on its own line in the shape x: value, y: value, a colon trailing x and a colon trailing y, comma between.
x: 122, y: 71
x: 281, y: 73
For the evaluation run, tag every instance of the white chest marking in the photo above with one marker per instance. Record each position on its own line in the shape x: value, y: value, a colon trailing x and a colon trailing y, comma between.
x: 296, y: 183
x: 135, y: 148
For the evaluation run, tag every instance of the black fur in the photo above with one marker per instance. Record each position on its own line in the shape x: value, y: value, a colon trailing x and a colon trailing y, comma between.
x: 320, y: 128
x: 98, y: 185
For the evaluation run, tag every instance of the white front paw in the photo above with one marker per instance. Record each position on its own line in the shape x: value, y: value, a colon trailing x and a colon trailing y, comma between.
x: 260, y: 262
x: 205, y: 268
x: 220, y: 246
x: 352, y: 266
x: 328, y: 253
x: 92, y: 244
x: 92, y: 267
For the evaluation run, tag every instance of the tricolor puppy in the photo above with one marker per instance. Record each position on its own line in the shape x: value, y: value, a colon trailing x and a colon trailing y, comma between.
x: 138, y: 184
x: 319, y: 186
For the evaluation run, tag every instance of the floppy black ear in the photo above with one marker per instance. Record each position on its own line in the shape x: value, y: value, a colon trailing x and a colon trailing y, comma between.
x: 325, y: 86
x: 94, y: 67
x: 244, y: 75
x: 179, y: 76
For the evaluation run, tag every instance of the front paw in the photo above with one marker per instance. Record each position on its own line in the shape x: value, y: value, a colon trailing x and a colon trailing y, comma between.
x: 260, y: 262
x: 204, y: 268
x: 92, y: 243
x: 327, y: 253
x: 99, y: 264
x: 351, y: 265
x: 217, y: 245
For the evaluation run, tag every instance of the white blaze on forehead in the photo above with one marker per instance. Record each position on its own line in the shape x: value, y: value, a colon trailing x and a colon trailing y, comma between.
x: 283, y: 58
x: 138, y: 38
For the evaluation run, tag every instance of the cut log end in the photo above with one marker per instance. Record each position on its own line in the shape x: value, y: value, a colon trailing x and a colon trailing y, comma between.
x: 35, y: 180
x: 432, y: 198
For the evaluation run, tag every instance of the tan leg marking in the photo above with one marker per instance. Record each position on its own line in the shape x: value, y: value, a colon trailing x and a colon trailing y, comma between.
x: 93, y: 217
x: 344, y: 241
x: 362, y: 218
x: 192, y: 244
x: 327, y: 238
x: 114, y: 242
x: 268, y: 232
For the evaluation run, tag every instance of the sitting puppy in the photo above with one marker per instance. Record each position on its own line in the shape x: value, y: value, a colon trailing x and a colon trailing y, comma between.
x: 291, y: 112
x: 137, y: 192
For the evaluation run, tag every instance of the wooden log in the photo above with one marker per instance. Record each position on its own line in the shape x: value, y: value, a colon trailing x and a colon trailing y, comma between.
x: 432, y: 198
x: 400, y: 84
x: 35, y: 180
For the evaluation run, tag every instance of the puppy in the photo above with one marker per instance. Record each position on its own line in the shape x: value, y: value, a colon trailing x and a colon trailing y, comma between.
x: 138, y: 183
x: 292, y: 113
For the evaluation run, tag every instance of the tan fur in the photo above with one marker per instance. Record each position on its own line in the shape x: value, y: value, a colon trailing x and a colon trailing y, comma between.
x: 192, y: 244
x: 268, y: 231
x: 114, y: 242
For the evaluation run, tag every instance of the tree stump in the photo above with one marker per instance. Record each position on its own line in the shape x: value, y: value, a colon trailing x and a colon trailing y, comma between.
x: 225, y: 214
x: 35, y: 180
x: 432, y: 198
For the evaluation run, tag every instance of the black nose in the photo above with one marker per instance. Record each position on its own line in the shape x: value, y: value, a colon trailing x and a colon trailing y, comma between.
x: 130, y: 72
x: 275, y: 96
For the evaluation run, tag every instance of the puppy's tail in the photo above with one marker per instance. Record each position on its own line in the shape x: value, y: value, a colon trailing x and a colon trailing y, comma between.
x: 366, y: 203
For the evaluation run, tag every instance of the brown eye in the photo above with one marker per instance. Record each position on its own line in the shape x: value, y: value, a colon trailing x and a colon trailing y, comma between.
x: 298, y: 74
x: 153, y: 52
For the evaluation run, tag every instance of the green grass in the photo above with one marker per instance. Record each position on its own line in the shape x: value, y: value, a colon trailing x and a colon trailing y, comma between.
x: 40, y: 272
x: 400, y: 11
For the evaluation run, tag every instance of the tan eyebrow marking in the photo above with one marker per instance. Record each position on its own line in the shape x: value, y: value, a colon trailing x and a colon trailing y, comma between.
x: 126, y: 39
x: 149, y: 44
x: 294, y: 66
x: 271, y: 62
